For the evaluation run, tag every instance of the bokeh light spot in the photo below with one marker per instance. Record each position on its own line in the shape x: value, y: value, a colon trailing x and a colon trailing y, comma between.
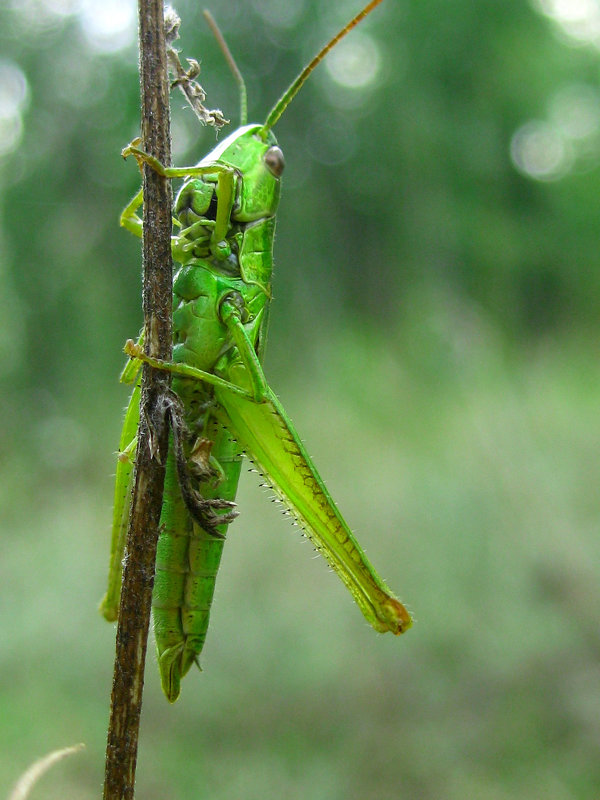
x: 539, y: 151
x: 575, y: 110
x: 14, y: 94
x: 13, y: 90
x: 355, y: 62
x: 578, y: 19
x: 109, y: 25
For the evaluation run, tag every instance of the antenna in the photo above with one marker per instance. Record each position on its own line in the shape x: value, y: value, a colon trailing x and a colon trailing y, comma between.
x: 232, y: 65
x: 296, y: 85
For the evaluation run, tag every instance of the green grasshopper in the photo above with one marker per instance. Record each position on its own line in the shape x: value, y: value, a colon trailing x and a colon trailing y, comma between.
x: 222, y: 403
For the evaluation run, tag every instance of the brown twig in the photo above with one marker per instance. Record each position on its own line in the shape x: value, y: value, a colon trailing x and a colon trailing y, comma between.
x: 138, y: 574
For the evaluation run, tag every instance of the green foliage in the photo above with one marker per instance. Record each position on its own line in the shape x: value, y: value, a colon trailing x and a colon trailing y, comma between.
x: 412, y: 256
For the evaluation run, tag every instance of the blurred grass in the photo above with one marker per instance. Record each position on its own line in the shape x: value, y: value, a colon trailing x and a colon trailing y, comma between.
x: 469, y: 477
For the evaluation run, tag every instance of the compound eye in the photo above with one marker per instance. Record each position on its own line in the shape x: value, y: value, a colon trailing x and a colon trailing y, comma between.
x: 275, y: 161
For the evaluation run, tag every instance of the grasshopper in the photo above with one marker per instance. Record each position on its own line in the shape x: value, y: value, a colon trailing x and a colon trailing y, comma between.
x: 222, y: 404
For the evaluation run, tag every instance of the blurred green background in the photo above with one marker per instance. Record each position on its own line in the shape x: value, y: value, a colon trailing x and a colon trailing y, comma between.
x: 435, y: 339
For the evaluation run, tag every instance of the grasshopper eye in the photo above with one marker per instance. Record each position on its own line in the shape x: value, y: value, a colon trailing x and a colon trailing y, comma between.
x: 275, y: 161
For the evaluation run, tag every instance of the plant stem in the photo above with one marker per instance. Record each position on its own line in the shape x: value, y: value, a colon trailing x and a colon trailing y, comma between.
x: 138, y: 573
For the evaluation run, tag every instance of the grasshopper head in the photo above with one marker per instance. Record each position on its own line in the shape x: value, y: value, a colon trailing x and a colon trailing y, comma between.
x: 256, y: 164
x: 259, y: 163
